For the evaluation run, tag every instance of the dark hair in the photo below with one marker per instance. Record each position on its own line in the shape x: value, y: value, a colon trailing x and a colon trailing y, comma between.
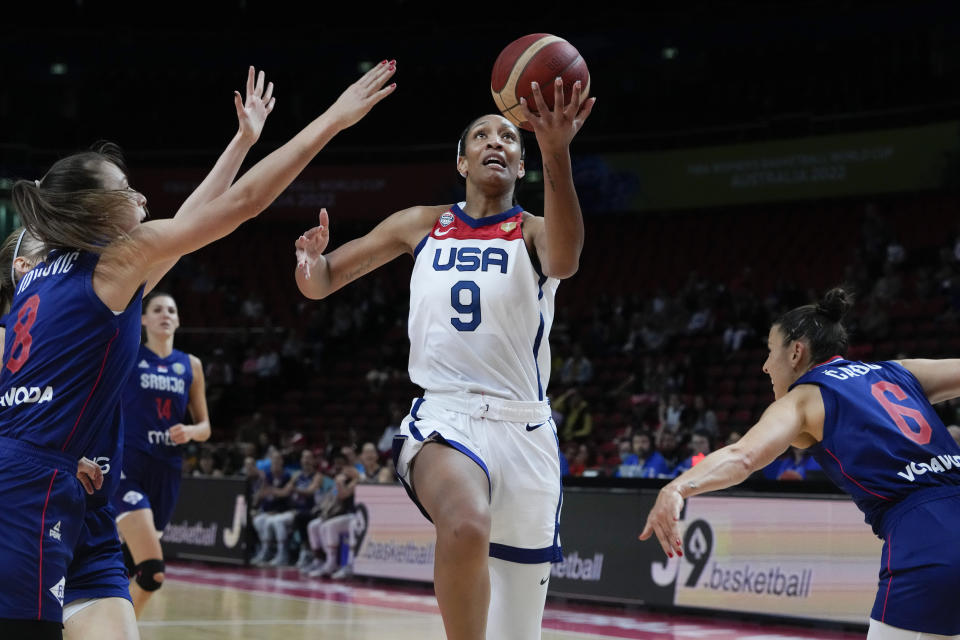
x: 156, y: 293
x: 69, y: 208
x: 820, y: 325
x: 462, y: 144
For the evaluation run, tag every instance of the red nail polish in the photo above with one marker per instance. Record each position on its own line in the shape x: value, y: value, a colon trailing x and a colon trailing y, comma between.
x: 680, y: 553
x: 669, y: 555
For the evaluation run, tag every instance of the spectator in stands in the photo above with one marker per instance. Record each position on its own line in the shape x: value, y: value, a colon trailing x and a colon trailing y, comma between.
x: 577, y: 421
x: 369, y: 460
x: 385, y: 444
x: 307, y: 559
x: 268, y: 361
x: 207, y: 465
x: 582, y: 461
x: 702, y: 418
x: 672, y: 413
x: 735, y: 334
x: 577, y: 369
x: 298, y: 491
x: 219, y: 377
x: 701, y: 320
x: 698, y: 447
x: 377, y: 377
x: 668, y: 447
x: 269, y: 504
x: 249, y: 366
x: 643, y: 462
x: 349, y: 453
x: 252, y: 307
x: 352, y: 524
x: 253, y: 475
x: 335, y: 504
x: 291, y: 351
x: 795, y: 464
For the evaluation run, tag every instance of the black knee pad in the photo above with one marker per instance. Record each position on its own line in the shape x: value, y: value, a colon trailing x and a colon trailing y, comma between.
x: 145, y: 573
x: 128, y: 562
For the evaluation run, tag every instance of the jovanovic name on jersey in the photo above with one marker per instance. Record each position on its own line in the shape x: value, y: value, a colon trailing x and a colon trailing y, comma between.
x: 63, y: 264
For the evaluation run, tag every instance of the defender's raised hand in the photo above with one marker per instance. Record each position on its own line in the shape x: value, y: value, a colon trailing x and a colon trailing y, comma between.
x: 359, y: 98
x: 252, y: 112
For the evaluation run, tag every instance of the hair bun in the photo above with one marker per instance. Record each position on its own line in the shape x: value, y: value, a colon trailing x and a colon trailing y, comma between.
x: 835, y: 304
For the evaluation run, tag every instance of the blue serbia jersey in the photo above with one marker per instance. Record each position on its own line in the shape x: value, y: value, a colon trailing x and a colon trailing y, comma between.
x: 882, y: 440
x: 155, y: 398
x: 66, y: 358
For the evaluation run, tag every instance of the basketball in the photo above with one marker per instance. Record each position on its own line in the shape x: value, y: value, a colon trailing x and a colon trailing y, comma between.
x: 540, y: 58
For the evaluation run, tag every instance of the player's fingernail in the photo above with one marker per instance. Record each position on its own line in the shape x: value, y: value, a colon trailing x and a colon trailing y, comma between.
x: 680, y: 554
x: 534, y: 85
x: 669, y: 555
x: 383, y: 62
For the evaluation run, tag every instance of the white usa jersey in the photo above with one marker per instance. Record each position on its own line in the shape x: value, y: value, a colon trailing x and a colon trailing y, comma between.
x: 480, y: 311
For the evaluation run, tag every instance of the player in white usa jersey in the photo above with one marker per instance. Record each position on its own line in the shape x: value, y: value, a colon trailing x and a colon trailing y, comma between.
x: 478, y: 453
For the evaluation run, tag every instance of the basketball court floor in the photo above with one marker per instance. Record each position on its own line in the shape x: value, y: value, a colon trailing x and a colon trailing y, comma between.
x: 201, y: 602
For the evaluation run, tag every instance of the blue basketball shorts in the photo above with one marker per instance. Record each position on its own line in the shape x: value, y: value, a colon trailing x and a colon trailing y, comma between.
x: 41, y: 519
x: 97, y: 570
x: 147, y: 484
x: 920, y: 564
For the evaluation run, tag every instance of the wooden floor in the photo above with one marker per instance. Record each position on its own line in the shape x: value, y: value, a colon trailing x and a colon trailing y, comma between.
x: 200, y: 602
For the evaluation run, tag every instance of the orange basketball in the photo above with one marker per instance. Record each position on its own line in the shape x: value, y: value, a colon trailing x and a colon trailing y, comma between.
x: 538, y: 57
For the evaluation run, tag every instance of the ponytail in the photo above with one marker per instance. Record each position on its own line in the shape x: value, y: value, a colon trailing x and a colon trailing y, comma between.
x: 820, y: 325
x: 69, y: 208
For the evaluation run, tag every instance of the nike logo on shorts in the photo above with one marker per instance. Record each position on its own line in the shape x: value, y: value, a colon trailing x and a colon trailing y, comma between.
x: 544, y: 581
x: 531, y: 427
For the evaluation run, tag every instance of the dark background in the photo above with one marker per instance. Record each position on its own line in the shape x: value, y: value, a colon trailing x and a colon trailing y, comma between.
x: 157, y: 77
